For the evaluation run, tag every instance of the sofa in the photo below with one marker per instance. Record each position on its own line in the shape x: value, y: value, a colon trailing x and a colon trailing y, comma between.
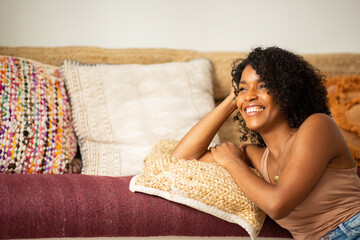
x: 79, y: 197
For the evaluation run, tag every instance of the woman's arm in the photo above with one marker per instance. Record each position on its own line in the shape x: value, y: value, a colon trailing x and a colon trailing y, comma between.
x: 317, y: 144
x: 195, y: 143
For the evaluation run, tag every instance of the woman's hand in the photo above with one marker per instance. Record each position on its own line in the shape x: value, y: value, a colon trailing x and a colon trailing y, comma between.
x: 227, y: 154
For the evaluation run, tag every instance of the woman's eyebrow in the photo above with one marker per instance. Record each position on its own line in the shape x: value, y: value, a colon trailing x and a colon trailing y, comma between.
x: 242, y: 82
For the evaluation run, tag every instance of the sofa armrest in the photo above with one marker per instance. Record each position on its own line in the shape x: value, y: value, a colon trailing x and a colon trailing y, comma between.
x: 44, y: 206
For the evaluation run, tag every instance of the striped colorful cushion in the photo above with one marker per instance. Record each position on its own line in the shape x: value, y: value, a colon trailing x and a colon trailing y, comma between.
x: 36, y: 134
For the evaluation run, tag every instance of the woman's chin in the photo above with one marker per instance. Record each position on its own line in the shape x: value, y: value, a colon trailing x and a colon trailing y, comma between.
x: 253, y: 126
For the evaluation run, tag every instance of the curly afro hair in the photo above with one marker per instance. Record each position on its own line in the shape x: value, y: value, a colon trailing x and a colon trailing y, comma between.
x: 294, y: 84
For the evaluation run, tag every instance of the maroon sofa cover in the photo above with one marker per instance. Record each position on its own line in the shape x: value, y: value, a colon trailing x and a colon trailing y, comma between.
x: 75, y: 205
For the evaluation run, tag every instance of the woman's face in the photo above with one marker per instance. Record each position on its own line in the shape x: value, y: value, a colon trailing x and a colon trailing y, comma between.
x: 256, y: 106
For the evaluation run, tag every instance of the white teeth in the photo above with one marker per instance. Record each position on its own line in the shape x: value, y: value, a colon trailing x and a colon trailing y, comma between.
x: 254, y: 109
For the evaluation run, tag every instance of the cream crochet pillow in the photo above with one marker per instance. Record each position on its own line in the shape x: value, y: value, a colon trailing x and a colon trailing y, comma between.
x: 120, y: 111
x: 207, y: 187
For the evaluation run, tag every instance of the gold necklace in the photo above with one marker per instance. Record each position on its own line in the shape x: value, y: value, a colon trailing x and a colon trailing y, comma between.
x: 276, y: 178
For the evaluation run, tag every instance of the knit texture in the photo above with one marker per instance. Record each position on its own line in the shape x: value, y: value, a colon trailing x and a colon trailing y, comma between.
x: 36, y: 134
x: 205, y: 186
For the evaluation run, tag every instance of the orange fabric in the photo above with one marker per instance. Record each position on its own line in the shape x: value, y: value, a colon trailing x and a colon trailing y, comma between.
x: 344, y: 102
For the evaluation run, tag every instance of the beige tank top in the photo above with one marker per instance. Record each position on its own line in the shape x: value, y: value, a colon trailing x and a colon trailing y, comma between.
x: 334, y: 199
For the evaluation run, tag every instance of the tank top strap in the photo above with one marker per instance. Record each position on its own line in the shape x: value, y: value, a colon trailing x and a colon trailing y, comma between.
x: 264, y: 161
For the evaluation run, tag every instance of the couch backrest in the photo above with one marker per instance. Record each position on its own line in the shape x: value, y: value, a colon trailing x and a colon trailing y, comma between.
x: 329, y: 64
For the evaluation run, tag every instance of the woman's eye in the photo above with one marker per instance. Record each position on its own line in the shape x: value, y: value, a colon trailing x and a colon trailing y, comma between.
x: 241, y: 89
x: 262, y: 86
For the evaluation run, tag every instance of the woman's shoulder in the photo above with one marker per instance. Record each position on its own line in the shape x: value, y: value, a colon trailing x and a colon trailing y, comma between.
x: 254, y: 154
x: 320, y: 133
x: 254, y: 149
x: 318, y: 117
x: 318, y: 122
x: 316, y: 127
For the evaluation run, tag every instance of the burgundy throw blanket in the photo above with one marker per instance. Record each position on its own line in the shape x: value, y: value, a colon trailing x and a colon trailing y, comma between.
x: 74, y: 205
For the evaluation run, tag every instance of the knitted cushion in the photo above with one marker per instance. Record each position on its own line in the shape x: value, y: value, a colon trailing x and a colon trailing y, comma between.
x: 207, y: 187
x: 36, y: 131
x: 344, y: 101
x: 120, y: 111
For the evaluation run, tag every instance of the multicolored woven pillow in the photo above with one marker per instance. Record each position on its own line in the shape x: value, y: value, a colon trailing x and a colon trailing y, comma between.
x: 207, y: 187
x: 36, y: 134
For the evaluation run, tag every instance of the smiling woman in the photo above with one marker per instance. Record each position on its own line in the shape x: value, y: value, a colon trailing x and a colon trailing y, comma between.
x: 294, y: 84
x: 254, y: 103
x: 309, y: 183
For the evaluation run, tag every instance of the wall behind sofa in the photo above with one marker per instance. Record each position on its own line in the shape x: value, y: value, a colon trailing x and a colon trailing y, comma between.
x: 306, y: 26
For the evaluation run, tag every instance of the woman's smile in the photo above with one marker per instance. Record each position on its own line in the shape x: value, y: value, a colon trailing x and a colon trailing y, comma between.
x: 253, y: 109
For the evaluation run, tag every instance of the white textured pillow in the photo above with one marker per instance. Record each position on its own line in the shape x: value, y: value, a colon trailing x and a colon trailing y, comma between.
x: 121, y: 111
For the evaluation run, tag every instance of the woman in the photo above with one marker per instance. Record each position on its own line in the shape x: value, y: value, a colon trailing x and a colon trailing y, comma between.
x: 309, y: 185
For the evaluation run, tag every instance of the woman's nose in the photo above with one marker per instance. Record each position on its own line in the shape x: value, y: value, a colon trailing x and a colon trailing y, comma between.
x: 250, y: 95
